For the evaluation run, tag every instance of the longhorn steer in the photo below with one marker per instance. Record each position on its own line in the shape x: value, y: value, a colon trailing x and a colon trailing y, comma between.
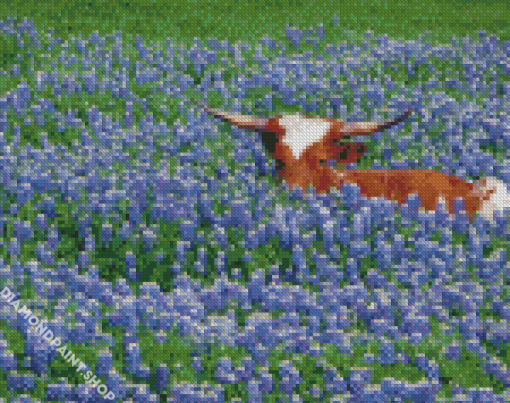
x: 302, y: 146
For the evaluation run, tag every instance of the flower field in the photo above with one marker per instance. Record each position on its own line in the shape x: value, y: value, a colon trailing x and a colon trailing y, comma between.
x: 158, y: 245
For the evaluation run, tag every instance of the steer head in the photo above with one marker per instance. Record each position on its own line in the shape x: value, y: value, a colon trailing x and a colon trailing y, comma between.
x: 300, y: 142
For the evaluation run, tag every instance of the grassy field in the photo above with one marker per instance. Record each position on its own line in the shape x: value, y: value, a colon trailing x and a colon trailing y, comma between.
x: 251, y: 20
x: 234, y: 21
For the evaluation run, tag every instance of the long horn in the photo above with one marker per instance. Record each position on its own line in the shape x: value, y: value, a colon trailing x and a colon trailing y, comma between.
x: 242, y: 121
x: 367, y: 128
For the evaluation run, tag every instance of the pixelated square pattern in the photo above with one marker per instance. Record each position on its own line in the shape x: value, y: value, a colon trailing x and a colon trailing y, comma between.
x: 254, y: 202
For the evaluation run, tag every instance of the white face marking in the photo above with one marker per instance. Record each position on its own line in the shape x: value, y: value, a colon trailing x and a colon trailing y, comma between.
x: 302, y: 132
x: 498, y: 200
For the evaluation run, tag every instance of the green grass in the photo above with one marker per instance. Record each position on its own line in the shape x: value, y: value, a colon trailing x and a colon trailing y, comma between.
x: 241, y: 21
x: 238, y: 20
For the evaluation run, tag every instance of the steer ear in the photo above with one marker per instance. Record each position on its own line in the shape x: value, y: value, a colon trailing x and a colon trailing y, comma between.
x: 367, y: 128
x: 242, y: 121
